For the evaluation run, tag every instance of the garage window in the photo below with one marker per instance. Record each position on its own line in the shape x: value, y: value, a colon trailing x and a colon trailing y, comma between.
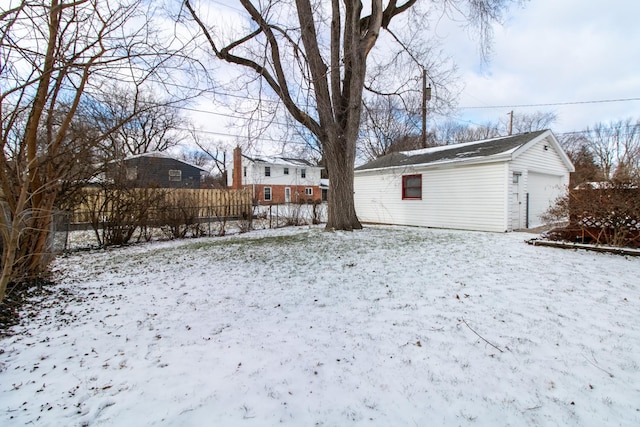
x: 411, y: 187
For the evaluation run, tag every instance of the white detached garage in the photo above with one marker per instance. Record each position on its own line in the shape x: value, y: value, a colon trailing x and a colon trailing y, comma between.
x: 500, y: 184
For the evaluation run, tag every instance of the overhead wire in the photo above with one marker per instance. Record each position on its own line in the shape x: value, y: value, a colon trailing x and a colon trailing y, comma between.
x: 550, y: 104
x: 456, y: 118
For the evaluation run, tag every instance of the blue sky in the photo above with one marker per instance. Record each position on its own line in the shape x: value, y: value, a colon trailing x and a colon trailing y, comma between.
x: 554, y: 52
x: 562, y: 56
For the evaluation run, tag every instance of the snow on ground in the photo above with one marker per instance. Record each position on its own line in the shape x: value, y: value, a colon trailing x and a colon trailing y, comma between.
x: 387, y: 326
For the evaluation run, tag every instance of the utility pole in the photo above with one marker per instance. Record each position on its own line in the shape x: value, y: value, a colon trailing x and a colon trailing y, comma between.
x: 426, y: 96
x: 511, y: 123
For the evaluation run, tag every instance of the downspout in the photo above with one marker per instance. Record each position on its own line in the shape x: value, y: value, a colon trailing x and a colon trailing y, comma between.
x: 527, y: 214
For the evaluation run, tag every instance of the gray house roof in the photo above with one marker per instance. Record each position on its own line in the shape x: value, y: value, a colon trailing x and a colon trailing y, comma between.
x: 160, y: 155
x: 456, y: 152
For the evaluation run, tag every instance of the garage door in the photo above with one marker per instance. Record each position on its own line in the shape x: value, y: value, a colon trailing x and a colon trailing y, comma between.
x: 543, y: 191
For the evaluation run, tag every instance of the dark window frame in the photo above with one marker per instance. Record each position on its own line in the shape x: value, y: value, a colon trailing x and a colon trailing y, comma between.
x: 409, y: 188
x: 270, y: 193
x: 267, y: 171
x: 303, y: 173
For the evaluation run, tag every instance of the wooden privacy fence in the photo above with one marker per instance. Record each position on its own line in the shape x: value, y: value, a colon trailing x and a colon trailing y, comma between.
x: 203, y: 202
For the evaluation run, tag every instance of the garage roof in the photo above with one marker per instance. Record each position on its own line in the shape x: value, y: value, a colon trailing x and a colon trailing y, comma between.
x: 467, y: 151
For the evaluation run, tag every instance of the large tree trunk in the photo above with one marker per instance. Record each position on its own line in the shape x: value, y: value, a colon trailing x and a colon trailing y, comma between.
x: 336, y: 87
x: 341, y: 206
x: 10, y: 226
x: 34, y: 254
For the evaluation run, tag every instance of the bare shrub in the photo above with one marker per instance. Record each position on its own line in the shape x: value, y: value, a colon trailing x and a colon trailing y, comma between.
x: 318, y: 212
x: 221, y: 214
x: 294, y: 215
x: 245, y: 222
x: 607, y: 213
x: 117, y: 213
x: 180, y: 217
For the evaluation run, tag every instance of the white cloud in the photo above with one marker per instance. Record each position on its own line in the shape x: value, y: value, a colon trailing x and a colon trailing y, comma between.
x: 556, y: 52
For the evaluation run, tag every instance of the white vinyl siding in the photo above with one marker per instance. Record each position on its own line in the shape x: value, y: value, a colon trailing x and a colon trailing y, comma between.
x: 544, y: 178
x: 544, y: 189
x: 539, y: 160
x: 467, y: 197
x: 254, y: 173
x: 469, y: 194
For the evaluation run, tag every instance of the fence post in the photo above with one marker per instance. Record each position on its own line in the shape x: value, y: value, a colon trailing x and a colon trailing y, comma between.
x: 66, y: 237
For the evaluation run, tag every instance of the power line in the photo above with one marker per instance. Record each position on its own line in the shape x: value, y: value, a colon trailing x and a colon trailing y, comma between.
x: 261, y: 138
x: 260, y: 99
x: 552, y: 104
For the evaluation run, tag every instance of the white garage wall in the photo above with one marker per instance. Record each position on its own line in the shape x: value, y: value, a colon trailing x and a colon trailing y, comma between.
x: 477, y: 196
x: 545, y: 176
x: 471, y: 197
x: 536, y: 159
x: 544, y: 189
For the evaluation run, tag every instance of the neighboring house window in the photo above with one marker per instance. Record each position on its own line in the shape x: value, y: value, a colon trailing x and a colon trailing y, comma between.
x: 412, y: 186
x: 267, y: 193
x: 303, y: 173
x: 308, y: 191
x: 244, y: 171
x: 286, y: 171
x: 175, y: 175
x: 267, y: 171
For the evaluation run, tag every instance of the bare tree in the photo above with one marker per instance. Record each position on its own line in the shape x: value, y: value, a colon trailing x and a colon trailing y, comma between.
x: 386, y: 127
x: 312, y: 55
x: 52, y: 54
x: 528, y: 122
x: 134, y: 121
x: 627, y: 142
x: 212, y: 154
x: 616, y: 148
x: 451, y: 132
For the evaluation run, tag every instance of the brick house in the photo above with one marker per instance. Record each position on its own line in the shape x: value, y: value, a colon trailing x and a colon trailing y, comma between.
x: 275, y: 180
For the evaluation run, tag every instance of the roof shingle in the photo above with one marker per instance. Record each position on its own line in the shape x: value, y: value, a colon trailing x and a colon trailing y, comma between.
x: 468, y: 150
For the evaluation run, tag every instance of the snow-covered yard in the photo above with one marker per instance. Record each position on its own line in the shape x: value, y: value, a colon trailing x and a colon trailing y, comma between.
x: 388, y: 326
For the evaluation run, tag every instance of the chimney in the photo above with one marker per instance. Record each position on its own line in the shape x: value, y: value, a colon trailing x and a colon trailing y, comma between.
x: 236, y: 184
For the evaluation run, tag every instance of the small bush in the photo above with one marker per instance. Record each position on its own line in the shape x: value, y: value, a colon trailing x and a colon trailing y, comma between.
x: 180, y: 218
x: 245, y: 222
x: 604, y: 214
